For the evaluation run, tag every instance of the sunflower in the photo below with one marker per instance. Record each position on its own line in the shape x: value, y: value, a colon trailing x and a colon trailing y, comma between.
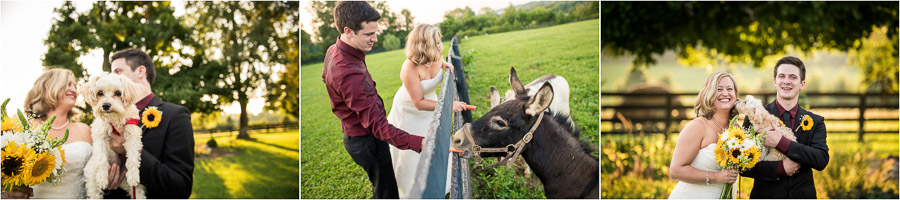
x: 41, y: 168
x: 15, y: 159
x: 11, y: 125
x: 807, y: 123
x: 753, y: 155
x: 734, y: 155
x: 736, y: 133
x: 151, y: 117
x: 62, y: 155
x: 721, y: 156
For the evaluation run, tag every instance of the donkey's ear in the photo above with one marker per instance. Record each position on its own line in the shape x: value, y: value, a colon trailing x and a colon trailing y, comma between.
x: 540, y: 101
x: 516, y: 83
x: 495, y: 97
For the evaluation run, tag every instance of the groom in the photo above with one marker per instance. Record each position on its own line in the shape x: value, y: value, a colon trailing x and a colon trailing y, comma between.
x: 356, y: 102
x: 792, y: 177
x: 167, y: 159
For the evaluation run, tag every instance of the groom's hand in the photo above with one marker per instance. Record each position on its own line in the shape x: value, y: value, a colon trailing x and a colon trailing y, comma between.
x: 115, y: 142
x: 115, y: 177
x: 790, y: 167
x: 773, y: 136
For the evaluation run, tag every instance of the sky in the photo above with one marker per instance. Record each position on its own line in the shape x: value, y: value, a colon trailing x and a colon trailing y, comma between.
x: 429, y: 12
x: 23, y: 27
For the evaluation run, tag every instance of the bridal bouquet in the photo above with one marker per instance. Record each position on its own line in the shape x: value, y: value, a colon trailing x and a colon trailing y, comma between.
x: 30, y: 156
x: 737, y: 149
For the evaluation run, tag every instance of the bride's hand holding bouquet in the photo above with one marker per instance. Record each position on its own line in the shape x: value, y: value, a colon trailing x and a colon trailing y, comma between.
x: 738, y: 149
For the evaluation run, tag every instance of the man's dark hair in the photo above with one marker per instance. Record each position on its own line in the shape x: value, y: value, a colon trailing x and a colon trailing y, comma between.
x: 352, y: 14
x: 134, y: 58
x: 793, y: 61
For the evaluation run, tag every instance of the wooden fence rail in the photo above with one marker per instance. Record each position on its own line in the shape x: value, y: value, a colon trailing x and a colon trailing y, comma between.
x: 674, y: 111
x: 257, y: 128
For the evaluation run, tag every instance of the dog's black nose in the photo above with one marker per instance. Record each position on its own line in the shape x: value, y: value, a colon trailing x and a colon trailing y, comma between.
x: 106, y: 106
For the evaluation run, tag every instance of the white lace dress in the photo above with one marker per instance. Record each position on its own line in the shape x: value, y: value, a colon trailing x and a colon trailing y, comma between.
x: 705, y: 161
x: 71, y: 186
x: 405, y: 116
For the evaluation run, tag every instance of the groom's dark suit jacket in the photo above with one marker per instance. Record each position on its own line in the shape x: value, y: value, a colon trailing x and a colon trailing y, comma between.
x: 810, y: 151
x: 167, y: 161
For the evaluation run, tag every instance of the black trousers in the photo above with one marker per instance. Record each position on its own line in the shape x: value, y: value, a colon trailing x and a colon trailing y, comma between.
x: 374, y: 157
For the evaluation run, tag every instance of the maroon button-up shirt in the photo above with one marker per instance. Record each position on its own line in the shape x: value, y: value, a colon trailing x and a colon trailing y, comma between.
x: 355, y: 100
x: 784, y: 143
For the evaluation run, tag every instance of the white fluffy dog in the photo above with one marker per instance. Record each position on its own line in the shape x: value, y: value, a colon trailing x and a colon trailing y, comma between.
x: 113, y: 99
x: 761, y: 119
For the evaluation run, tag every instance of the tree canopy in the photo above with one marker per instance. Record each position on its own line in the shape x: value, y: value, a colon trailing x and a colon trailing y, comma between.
x: 739, y: 31
x: 217, y: 53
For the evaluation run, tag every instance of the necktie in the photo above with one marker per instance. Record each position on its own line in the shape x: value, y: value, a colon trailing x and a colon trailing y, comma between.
x: 786, y: 118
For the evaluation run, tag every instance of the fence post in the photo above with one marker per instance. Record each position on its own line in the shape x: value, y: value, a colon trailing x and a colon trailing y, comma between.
x: 668, y: 116
x: 862, y: 116
x: 462, y: 88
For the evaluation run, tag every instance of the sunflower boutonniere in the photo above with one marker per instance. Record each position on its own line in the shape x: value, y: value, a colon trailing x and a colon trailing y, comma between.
x: 806, y: 123
x: 151, y: 117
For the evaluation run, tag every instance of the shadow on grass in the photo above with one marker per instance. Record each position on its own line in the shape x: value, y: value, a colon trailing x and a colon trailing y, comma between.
x: 257, y: 170
x: 207, y: 184
x: 273, y: 145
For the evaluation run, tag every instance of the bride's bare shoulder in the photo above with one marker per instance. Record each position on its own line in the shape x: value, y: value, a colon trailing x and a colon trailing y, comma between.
x: 696, y: 127
x: 81, y: 129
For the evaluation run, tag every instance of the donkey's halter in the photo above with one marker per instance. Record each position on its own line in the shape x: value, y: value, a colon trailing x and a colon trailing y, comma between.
x: 512, y: 150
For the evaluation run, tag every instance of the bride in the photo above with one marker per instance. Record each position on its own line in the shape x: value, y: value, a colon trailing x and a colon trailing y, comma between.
x: 413, y: 106
x: 54, y: 93
x: 694, y: 161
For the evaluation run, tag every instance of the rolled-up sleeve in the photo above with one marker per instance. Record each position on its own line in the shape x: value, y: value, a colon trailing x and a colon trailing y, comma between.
x: 362, y: 97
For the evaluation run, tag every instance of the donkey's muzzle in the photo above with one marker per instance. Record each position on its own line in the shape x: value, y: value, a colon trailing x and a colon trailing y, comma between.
x: 461, y: 141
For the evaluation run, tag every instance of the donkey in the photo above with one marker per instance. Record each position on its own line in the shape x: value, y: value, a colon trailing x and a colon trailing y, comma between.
x: 558, y: 158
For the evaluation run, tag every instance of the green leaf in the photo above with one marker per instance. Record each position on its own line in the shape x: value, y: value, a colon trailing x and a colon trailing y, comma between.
x: 25, y: 125
x: 3, y: 110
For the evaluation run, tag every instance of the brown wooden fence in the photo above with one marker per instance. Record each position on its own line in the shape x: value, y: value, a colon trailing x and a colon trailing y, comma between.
x: 656, y: 113
x: 257, y: 128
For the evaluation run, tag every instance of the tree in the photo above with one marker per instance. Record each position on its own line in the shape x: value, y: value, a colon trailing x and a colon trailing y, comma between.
x: 738, y: 31
x: 877, y: 57
x: 248, y: 41
x: 150, y: 26
x: 390, y: 42
x: 326, y: 32
x: 309, y: 50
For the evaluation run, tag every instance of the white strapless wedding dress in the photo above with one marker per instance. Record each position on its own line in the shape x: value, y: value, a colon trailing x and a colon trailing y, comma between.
x: 405, y: 116
x: 71, y: 186
x: 705, y: 161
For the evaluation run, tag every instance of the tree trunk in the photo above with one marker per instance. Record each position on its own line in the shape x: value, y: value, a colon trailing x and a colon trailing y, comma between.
x: 107, y: 66
x: 243, y: 134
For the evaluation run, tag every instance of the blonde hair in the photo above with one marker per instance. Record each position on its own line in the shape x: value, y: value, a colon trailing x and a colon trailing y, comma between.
x: 44, y: 95
x: 705, y: 107
x: 423, y: 44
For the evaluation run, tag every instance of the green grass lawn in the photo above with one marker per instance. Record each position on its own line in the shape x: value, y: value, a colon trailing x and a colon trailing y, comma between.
x: 242, y: 169
x: 570, y: 50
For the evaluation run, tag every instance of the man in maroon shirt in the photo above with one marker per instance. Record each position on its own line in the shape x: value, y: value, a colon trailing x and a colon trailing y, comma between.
x: 356, y: 102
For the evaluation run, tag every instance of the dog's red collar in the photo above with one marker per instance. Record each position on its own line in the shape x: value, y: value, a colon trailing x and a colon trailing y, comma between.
x: 133, y: 121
